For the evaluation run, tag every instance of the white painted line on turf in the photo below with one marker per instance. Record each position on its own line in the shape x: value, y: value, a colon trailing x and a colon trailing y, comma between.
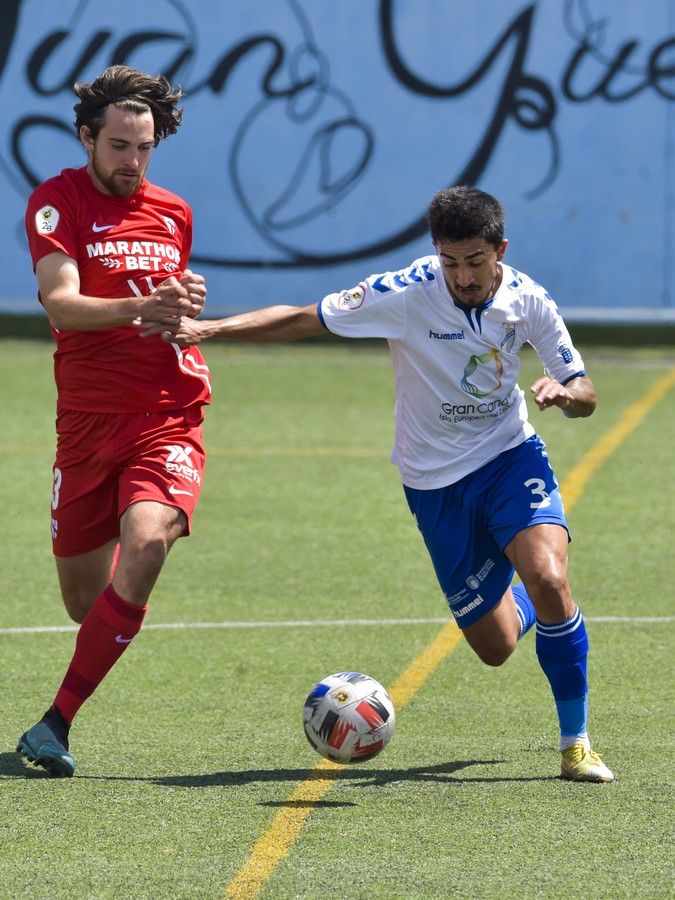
x: 319, y: 623
x: 629, y: 620
x: 283, y: 623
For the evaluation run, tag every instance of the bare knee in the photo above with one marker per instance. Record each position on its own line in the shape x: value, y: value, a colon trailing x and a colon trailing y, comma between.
x: 149, y: 552
x: 77, y: 604
x: 491, y: 648
x: 139, y: 567
x: 83, y: 578
x: 494, y: 636
x: 549, y: 584
x: 79, y: 595
x: 495, y: 655
x: 551, y: 595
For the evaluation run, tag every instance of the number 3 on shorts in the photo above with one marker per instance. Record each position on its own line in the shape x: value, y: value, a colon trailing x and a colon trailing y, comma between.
x: 538, y: 488
x: 57, y: 488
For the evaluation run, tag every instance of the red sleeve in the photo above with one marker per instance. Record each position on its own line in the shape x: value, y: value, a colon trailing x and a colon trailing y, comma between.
x: 50, y: 222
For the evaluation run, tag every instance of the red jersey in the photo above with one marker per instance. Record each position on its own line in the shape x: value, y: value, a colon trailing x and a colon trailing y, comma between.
x: 123, y: 246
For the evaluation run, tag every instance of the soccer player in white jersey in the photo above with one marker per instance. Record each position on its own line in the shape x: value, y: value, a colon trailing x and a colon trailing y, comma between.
x: 475, y: 474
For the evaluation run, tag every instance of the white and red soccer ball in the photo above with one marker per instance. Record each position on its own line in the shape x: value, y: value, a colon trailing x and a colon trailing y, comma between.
x: 348, y: 717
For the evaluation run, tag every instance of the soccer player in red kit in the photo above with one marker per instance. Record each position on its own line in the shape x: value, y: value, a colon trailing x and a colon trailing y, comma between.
x: 110, y: 252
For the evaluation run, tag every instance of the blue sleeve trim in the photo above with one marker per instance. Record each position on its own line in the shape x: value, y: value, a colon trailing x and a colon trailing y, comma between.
x: 319, y: 313
x: 572, y: 377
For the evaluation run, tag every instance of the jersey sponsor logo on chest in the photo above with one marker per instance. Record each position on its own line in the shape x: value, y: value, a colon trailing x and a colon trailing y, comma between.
x: 149, y: 256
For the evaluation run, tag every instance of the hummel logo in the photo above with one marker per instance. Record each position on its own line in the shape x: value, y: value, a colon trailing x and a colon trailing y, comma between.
x: 174, y: 490
x: 96, y: 227
x: 122, y: 640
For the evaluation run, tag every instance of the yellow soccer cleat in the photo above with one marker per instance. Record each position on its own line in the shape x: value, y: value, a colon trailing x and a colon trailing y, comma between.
x: 580, y: 763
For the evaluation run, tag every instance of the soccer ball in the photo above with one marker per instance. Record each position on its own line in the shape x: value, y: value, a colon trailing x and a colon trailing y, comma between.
x: 348, y: 717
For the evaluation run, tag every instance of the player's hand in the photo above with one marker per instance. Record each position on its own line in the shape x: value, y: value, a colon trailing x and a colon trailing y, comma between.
x: 165, y: 305
x: 195, y: 285
x: 185, y: 332
x: 549, y: 392
x: 189, y: 332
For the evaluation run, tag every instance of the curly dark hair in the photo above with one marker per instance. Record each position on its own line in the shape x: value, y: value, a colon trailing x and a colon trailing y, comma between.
x: 462, y: 212
x: 127, y: 88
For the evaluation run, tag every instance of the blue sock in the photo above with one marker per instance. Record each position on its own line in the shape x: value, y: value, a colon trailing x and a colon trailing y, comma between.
x: 524, y: 608
x: 562, y: 651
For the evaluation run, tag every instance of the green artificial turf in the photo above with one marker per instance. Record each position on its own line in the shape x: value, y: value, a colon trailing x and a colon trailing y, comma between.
x: 193, y: 744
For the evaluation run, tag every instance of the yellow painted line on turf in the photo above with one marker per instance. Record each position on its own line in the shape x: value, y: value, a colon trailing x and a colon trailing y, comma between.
x: 409, y: 683
x: 577, y: 479
x: 275, y: 844
x: 277, y: 841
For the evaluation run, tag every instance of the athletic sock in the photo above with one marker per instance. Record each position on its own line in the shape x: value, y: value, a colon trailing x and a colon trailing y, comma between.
x: 562, y: 650
x: 58, y: 724
x: 108, y: 628
x: 524, y: 608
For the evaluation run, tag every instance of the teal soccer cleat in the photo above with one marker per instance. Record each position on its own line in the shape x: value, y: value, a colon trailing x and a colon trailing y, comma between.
x: 43, y: 748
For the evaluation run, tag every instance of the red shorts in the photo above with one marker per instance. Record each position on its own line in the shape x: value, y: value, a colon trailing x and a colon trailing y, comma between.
x: 107, y: 461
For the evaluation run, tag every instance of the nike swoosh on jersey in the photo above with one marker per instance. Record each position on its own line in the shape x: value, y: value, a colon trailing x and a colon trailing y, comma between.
x: 96, y: 227
x: 122, y: 640
x: 175, y: 490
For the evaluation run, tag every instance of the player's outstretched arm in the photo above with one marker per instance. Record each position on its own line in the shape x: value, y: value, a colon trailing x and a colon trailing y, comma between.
x: 69, y: 309
x: 267, y: 325
x: 576, y: 398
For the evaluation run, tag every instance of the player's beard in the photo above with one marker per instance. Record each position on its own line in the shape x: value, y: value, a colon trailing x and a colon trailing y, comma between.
x: 113, y: 182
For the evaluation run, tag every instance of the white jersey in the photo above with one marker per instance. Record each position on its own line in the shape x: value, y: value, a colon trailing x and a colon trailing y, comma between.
x: 458, y: 402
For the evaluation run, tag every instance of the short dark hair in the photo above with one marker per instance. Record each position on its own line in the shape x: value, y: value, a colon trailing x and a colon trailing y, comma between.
x: 129, y: 89
x: 462, y: 212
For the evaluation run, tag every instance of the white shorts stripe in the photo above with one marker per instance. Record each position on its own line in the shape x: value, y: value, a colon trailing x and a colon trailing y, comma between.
x: 191, y: 371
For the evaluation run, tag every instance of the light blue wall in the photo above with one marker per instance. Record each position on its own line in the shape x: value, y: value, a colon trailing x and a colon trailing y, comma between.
x: 316, y: 131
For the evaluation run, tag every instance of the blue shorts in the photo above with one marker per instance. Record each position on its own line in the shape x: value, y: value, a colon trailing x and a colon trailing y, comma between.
x: 467, y: 525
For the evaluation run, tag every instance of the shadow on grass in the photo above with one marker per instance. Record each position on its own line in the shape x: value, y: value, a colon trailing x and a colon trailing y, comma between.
x: 361, y: 777
x: 306, y: 804
x: 12, y: 765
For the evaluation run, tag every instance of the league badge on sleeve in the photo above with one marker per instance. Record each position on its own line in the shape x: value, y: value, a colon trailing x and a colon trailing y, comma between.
x: 46, y: 220
x: 353, y: 298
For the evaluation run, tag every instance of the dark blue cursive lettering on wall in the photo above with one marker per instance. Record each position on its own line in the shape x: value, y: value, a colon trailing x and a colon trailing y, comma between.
x: 295, y: 84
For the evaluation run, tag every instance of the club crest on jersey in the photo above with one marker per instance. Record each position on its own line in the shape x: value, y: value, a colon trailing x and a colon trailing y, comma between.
x: 508, y: 337
x: 485, y: 371
x: 46, y: 220
x: 353, y: 298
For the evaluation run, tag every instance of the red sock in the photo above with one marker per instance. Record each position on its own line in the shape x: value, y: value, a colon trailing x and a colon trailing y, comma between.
x: 104, y: 635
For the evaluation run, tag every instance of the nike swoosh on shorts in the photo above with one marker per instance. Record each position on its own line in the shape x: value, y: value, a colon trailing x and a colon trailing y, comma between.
x: 174, y: 490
